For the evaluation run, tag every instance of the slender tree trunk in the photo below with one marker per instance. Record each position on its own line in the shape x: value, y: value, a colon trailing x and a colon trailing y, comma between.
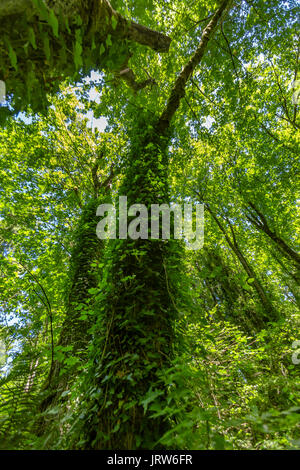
x: 178, y: 90
x: 260, y: 222
x: 269, y: 313
x: 227, y: 291
x: 290, y: 277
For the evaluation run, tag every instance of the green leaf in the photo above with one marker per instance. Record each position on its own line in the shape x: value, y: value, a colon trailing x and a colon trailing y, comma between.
x: 78, y: 49
x: 12, y: 57
x: 102, y: 49
x: 108, y: 41
x: 151, y: 396
x: 31, y: 37
x: 117, y: 427
x: 46, y: 47
x: 53, y: 21
x: 114, y: 22
x: 67, y: 25
x: 42, y: 9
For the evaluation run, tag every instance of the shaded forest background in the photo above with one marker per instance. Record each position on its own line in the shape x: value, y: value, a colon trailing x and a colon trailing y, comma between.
x: 134, y: 344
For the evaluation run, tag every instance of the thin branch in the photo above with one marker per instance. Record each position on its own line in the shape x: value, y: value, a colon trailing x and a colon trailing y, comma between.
x: 49, y: 309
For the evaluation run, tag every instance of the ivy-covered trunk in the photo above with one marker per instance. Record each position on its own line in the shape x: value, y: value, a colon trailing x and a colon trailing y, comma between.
x: 134, y: 333
x: 71, y: 349
x: 133, y: 337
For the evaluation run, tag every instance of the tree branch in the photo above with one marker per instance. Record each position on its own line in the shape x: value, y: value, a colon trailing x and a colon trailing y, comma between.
x: 99, y: 15
x: 178, y: 90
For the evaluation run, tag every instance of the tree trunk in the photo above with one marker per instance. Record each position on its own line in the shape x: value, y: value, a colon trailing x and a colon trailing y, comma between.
x: 260, y: 222
x: 226, y: 290
x: 96, y: 14
x: 133, y: 338
x: 134, y: 335
x: 269, y: 313
x: 74, y: 335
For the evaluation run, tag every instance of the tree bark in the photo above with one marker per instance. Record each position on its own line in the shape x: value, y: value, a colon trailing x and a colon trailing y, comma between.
x: 95, y: 13
x: 134, y: 335
x: 269, y: 312
x: 226, y: 290
x: 260, y: 222
x: 178, y: 90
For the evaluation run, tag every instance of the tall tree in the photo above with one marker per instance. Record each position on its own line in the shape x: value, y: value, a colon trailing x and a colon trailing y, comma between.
x: 138, y: 310
x: 232, y: 145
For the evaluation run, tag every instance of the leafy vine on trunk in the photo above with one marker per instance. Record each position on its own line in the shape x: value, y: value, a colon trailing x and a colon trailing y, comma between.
x: 137, y: 304
x: 71, y: 349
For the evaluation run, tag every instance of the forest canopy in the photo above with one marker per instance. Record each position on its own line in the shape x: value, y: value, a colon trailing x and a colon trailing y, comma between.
x: 136, y: 341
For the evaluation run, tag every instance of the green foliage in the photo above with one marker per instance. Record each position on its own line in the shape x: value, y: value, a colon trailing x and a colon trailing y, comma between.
x: 38, y: 53
x: 135, y: 316
x: 143, y: 344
